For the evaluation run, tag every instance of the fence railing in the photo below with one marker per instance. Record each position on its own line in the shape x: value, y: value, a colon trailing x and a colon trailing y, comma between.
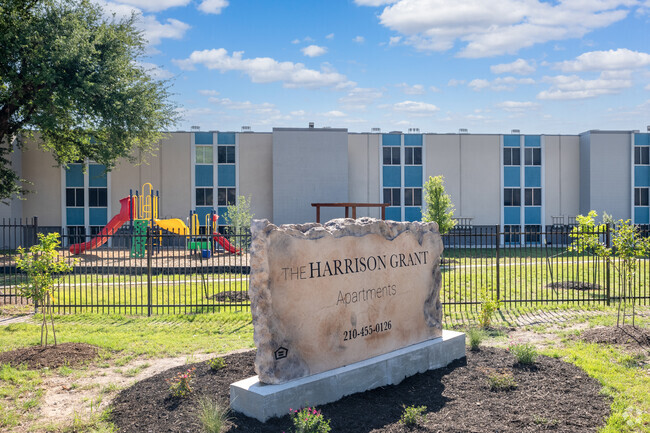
x: 165, y: 273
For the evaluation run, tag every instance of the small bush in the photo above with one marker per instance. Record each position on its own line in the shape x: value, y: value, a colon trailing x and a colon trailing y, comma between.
x: 180, y: 385
x: 489, y: 306
x: 212, y: 415
x: 525, y: 353
x: 309, y: 420
x: 475, y: 338
x: 501, y: 380
x: 412, y: 415
x: 216, y: 363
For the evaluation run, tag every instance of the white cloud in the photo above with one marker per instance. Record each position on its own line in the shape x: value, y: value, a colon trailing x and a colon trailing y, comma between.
x: 155, y: 31
x: 374, y: 2
x: 478, y: 84
x: 330, y: 36
x: 647, y: 87
x: 574, y: 87
x: 359, y: 98
x: 209, y: 92
x: 415, y: 108
x: 434, y: 89
x: 298, y: 113
x: 313, y: 51
x: 499, y: 84
x: 519, y: 67
x: 394, y: 40
x: 263, y: 108
x: 153, y: 6
x: 517, y: 106
x: 212, y: 6
x: 416, y: 89
x: 494, y: 28
x: 606, y: 60
x: 334, y: 113
x: 155, y: 71
x: 454, y: 82
x: 265, y: 69
x: 295, y: 41
x: 359, y: 39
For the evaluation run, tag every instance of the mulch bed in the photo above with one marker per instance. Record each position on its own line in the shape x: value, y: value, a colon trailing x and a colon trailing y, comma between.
x: 626, y: 335
x: 550, y: 395
x: 50, y: 356
x: 574, y: 285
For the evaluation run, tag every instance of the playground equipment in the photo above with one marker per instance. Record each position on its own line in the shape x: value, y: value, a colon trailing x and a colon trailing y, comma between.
x: 142, y: 211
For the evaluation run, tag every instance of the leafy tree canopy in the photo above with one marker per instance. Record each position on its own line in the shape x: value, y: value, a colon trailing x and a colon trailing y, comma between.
x: 438, y: 208
x: 73, y: 76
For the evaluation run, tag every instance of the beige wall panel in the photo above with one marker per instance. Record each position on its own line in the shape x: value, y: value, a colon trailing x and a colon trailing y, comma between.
x: 442, y: 157
x: 552, y: 179
x: 124, y: 177
x: 256, y: 172
x: 176, y: 168
x: 363, y: 172
x: 570, y: 175
x: 480, y: 178
x: 41, y: 169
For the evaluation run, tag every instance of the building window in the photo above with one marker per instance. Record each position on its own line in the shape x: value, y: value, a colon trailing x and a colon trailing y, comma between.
x: 534, y: 156
x: 640, y: 196
x: 74, y: 197
x: 204, y: 155
x: 204, y: 196
x: 391, y: 155
x: 511, y: 197
x: 511, y: 234
x: 76, y: 234
x: 412, y: 196
x: 533, y: 197
x: 97, y: 197
x: 226, y: 196
x: 412, y: 156
x: 511, y: 156
x: 533, y: 233
x: 226, y: 154
x: 392, y: 196
x: 641, y: 155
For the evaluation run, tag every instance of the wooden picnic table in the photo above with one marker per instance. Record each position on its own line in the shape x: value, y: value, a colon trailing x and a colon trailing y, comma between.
x: 349, y: 206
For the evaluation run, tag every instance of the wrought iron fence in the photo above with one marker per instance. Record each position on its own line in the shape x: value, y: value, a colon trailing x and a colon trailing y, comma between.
x: 164, y: 273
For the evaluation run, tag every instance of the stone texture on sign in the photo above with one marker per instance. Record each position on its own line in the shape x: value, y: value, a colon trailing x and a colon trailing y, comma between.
x: 325, y: 296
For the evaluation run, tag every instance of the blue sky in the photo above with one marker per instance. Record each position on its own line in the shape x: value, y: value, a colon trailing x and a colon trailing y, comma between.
x: 437, y: 65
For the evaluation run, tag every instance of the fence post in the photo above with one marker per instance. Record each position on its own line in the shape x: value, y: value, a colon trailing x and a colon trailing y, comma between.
x: 35, y: 229
x: 498, y: 238
x: 149, y: 253
x: 608, y: 243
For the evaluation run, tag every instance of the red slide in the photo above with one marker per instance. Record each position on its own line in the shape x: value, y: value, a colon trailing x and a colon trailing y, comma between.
x: 225, y: 244
x: 112, y: 226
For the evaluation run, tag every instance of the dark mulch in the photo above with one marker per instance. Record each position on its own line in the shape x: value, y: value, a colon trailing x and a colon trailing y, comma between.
x: 551, y: 395
x: 50, y: 356
x: 626, y: 335
x: 574, y: 285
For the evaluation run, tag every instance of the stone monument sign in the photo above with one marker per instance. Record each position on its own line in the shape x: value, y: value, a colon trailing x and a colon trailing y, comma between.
x: 326, y: 296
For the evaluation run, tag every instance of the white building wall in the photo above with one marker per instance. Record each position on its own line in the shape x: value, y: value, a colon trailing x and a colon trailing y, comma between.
x: 256, y: 172
x: 363, y: 172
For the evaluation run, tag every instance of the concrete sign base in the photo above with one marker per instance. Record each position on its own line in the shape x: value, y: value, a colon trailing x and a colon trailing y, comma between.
x: 261, y: 401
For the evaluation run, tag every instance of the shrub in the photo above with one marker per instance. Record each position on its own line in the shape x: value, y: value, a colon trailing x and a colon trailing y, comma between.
x: 309, y: 420
x: 525, y: 353
x: 412, y: 415
x: 180, y: 385
x: 216, y: 363
x: 212, y: 415
x: 489, y: 306
x: 501, y: 380
x: 475, y: 338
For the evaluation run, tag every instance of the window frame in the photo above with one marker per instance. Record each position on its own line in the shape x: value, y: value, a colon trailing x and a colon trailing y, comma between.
x: 228, y: 191
x: 514, y: 192
x: 411, y: 193
x: 641, y: 194
x: 394, y: 155
x: 410, y: 152
x: 535, y: 197
x: 508, y: 161
x: 533, y: 156
x: 394, y: 193
x: 202, y: 148
x: 229, y: 150
x: 204, y: 195
x: 641, y: 155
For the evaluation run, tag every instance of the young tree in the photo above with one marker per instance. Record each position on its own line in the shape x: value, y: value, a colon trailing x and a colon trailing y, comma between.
x: 73, y: 76
x: 42, y: 265
x: 438, y: 204
x: 626, y: 247
x: 238, y: 217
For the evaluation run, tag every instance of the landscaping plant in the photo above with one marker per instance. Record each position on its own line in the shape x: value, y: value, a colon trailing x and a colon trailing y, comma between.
x: 475, y: 338
x: 216, y: 363
x: 212, y: 415
x: 181, y: 384
x: 43, y: 265
x: 438, y: 208
x: 489, y: 306
x: 501, y: 380
x: 412, y: 415
x: 309, y: 420
x: 525, y: 353
x: 238, y: 217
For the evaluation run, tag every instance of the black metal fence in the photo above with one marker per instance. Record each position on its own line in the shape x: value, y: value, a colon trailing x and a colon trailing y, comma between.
x: 165, y: 273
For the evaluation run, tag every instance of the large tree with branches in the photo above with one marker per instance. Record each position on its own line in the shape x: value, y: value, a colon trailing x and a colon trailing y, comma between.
x: 71, y: 75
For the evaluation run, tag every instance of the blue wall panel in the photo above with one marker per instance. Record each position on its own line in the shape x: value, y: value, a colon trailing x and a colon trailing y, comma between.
x: 226, y: 175
x: 203, y: 175
x: 393, y: 213
x: 413, y: 140
x: 96, y: 176
x: 533, y: 177
x: 511, y: 177
x: 221, y: 211
x: 642, y: 175
x: 642, y: 139
x: 641, y: 215
x: 532, y: 141
x: 203, y: 138
x: 413, y: 176
x: 74, y: 177
x: 225, y: 138
x: 511, y: 215
x: 532, y: 215
x: 202, y: 211
x: 74, y: 216
x: 511, y: 141
x: 97, y: 216
x: 392, y: 176
x: 412, y: 213
x: 391, y: 140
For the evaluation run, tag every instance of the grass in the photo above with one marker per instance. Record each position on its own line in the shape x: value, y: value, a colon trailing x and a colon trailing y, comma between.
x: 213, y: 416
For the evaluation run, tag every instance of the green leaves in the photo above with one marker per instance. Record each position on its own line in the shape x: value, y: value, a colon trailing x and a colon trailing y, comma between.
x: 439, y: 208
